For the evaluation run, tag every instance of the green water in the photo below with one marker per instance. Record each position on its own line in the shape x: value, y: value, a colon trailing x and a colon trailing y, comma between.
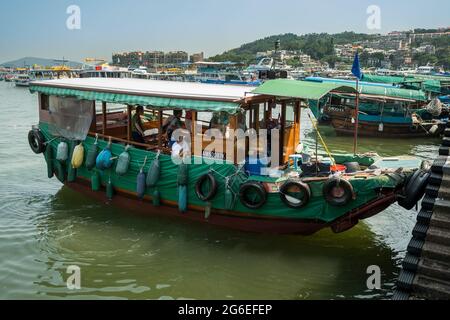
x: 44, y: 228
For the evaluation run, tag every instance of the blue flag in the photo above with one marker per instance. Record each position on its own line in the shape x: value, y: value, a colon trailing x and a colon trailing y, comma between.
x: 356, y: 69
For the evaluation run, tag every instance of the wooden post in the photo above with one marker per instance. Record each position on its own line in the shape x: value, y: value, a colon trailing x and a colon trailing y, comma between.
x: 129, y: 109
x: 355, y: 142
x: 193, y: 132
x: 283, y: 129
x: 104, y: 118
x: 257, y: 117
x: 160, y: 121
x: 94, y: 118
x: 297, y: 123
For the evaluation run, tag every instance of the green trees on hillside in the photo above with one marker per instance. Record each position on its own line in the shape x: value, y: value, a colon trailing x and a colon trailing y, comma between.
x: 320, y: 46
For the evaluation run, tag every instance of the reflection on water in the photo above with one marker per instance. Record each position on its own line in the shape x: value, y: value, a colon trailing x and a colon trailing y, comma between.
x: 44, y: 228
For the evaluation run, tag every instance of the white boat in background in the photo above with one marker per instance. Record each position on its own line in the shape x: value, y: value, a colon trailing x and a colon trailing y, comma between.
x: 22, y: 80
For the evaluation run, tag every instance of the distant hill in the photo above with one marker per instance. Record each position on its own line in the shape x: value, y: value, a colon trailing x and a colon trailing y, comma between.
x: 318, y: 46
x: 30, y: 61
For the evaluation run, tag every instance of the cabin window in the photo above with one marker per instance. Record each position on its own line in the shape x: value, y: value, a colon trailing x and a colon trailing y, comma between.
x: 44, y: 102
x: 69, y: 117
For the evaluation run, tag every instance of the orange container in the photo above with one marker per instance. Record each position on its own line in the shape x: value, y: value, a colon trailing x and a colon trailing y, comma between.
x: 338, y: 168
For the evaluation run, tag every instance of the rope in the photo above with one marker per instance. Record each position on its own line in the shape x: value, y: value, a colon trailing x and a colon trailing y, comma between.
x: 321, y: 140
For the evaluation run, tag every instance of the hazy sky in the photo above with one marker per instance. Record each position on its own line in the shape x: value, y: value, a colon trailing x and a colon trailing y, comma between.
x: 38, y: 28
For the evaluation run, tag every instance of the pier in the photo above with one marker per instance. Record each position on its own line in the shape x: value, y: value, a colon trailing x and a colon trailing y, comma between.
x: 426, y: 268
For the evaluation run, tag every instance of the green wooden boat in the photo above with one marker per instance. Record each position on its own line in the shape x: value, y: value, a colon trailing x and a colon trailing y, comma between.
x: 294, y: 193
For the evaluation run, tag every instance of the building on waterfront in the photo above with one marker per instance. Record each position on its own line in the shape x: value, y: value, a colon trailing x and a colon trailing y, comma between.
x: 197, y: 57
x: 150, y: 59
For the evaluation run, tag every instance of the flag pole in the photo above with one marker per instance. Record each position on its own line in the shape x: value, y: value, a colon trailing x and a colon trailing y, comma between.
x: 355, y: 142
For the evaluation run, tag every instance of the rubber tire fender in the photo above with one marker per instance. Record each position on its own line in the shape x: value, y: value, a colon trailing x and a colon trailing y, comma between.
x: 259, y: 188
x: 36, y: 140
x: 334, y: 182
x: 302, y: 186
x: 414, y: 189
x: 212, y: 192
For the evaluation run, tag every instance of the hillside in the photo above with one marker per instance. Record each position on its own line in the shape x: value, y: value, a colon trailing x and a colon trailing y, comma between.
x: 318, y: 46
x: 30, y: 61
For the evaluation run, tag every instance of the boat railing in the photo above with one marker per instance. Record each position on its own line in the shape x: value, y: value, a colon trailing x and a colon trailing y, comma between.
x: 128, y: 142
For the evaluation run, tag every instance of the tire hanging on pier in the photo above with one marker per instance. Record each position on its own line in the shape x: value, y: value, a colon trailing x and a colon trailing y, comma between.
x: 414, y: 189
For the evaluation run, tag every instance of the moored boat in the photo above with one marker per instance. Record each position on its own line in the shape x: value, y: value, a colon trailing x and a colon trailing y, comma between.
x: 221, y: 177
x: 384, y: 111
x: 22, y: 80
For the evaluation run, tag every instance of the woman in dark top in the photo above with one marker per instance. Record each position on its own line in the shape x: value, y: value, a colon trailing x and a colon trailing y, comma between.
x: 137, y: 130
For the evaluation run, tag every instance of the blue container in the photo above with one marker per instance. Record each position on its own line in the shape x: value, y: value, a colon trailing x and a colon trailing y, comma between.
x: 256, y: 166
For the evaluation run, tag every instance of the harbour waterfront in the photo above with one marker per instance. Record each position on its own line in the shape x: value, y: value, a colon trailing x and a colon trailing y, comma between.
x: 45, y: 228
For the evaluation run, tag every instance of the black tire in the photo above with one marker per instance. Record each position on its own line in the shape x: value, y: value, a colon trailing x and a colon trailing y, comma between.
x: 253, y: 186
x: 36, y: 141
x: 199, y: 187
x: 414, y: 189
x: 352, y: 167
x: 338, y: 200
x: 302, y: 187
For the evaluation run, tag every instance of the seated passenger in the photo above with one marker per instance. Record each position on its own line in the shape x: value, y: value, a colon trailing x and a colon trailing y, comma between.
x: 180, y: 149
x: 137, y: 131
x: 171, y: 124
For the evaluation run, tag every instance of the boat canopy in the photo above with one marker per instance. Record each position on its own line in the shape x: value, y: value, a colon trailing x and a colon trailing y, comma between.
x: 378, y: 91
x: 151, y: 93
x: 390, y: 79
x: 301, y: 89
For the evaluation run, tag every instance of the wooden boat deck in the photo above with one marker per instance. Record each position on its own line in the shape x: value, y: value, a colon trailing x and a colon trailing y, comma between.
x: 426, y: 268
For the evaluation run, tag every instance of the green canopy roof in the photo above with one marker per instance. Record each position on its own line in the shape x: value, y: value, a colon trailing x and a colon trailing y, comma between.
x: 300, y: 89
x: 394, y: 93
x: 158, y: 102
x: 389, y: 79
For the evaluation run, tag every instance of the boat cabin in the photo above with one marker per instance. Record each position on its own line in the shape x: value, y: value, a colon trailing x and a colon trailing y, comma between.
x: 218, y: 120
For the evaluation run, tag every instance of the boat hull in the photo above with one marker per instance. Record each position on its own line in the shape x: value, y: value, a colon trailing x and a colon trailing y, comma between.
x: 238, y: 221
x: 344, y: 126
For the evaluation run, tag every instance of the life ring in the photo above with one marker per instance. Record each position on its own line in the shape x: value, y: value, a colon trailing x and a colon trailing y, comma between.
x: 338, y: 192
x: 292, y: 201
x: 253, y: 195
x: 36, y: 140
x: 414, y: 189
x: 207, y: 178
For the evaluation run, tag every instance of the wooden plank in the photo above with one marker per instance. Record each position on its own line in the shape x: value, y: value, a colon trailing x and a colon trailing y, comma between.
x: 282, y: 130
x: 104, y: 118
x: 160, y: 119
x: 94, y: 118
x: 193, y: 131
x: 129, y: 108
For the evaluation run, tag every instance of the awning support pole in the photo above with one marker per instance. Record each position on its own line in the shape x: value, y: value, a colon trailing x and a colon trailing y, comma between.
x: 355, y: 140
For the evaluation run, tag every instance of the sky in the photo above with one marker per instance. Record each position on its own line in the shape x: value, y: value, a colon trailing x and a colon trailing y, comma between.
x: 39, y: 28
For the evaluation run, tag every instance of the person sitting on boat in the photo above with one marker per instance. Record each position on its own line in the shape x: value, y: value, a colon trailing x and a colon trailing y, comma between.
x: 171, y: 124
x: 180, y: 148
x: 269, y: 124
x: 137, y: 131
